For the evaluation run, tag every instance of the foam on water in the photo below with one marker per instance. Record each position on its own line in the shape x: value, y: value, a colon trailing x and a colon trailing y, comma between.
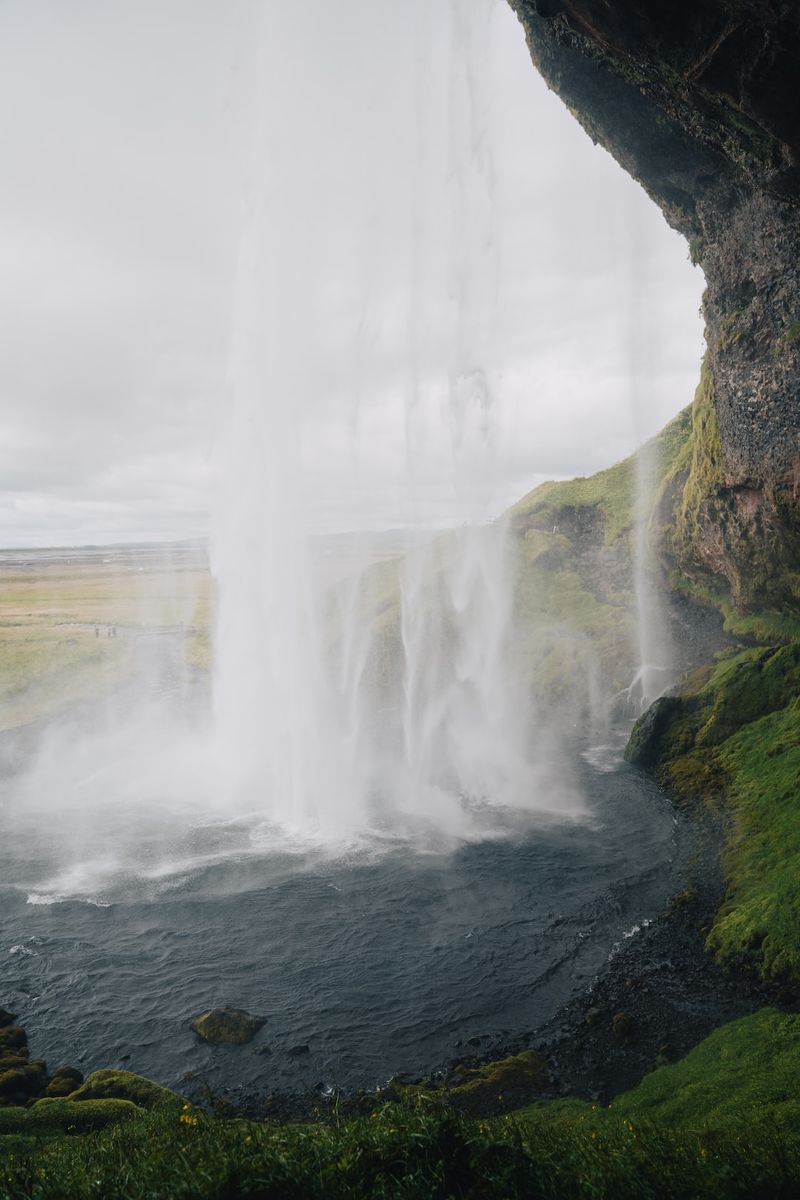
x: 380, y: 960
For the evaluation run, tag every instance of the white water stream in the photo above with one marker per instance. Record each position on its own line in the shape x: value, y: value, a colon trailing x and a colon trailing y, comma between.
x: 303, y: 735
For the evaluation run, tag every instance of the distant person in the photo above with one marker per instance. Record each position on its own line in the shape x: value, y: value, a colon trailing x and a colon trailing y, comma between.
x: 96, y: 632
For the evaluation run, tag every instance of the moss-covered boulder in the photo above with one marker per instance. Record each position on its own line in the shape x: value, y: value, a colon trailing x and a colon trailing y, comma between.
x: 10, y: 1062
x: 13, y: 1040
x: 501, y: 1085
x: 48, y: 1116
x: 63, y: 1082
x: 227, y: 1026
x: 14, y: 1087
x: 124, y: 1085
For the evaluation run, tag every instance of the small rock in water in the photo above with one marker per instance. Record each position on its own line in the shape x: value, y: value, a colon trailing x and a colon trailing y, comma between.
x: 6, y: 1018
x: 227, y: 1026
x: 298, y: 1051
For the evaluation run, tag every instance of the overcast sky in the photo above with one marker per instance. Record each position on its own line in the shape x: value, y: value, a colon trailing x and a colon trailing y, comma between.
x: 427, y: 212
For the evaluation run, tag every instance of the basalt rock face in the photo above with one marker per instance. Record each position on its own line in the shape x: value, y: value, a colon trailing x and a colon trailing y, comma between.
x: 700, y: 101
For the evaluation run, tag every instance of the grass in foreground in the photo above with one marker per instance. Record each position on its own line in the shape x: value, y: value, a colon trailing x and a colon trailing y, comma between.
x: 721, y: 1123
x: 420, y: 1152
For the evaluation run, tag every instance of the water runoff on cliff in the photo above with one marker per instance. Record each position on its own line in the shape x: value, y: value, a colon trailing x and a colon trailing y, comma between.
x: 385, y: 701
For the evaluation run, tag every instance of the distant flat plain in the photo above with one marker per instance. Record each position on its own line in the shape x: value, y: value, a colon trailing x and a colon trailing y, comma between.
x: 71, y: 617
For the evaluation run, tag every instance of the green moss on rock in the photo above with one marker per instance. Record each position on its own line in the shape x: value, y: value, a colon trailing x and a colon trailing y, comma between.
x: 124, y: 1085
x: 63, y: 1082
x: 13, y: 1040
x: 47, y: 1117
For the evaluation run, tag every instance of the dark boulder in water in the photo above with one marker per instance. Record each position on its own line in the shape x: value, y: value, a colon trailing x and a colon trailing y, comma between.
x: 227, y: 1026
x: 6, y: 1018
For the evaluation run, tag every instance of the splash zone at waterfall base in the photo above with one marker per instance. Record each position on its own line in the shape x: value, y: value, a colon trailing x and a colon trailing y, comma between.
x: 379, y: 955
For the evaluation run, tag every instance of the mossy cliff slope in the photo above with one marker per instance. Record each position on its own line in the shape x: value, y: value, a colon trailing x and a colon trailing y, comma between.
x: 570, y: 551
x: 575, y: 603
x: 698, y: 100
x: 731, y: 741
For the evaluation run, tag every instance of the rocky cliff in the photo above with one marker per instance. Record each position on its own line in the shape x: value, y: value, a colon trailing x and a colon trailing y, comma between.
x: 699, y: 100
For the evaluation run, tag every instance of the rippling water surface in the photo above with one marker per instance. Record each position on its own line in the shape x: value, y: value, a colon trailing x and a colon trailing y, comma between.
x: 378, y: 961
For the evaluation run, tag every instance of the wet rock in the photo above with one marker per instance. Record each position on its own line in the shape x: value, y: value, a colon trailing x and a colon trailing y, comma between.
x: 592, y: 1015
x: 298, y: 1051
x: 644, y: 744
x: 64, y: 1082
x: 227, y: 1026
x: 6, y: 1018
x: 622, y: 1026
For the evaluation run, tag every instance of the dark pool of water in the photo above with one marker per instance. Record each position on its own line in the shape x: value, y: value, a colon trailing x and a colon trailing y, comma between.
x: 376, y: 962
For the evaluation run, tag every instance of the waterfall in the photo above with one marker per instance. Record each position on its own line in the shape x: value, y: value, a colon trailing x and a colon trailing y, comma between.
x: 302, y: 736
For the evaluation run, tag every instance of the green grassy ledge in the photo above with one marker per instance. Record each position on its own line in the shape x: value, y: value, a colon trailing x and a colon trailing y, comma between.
x: 721, y: 1123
